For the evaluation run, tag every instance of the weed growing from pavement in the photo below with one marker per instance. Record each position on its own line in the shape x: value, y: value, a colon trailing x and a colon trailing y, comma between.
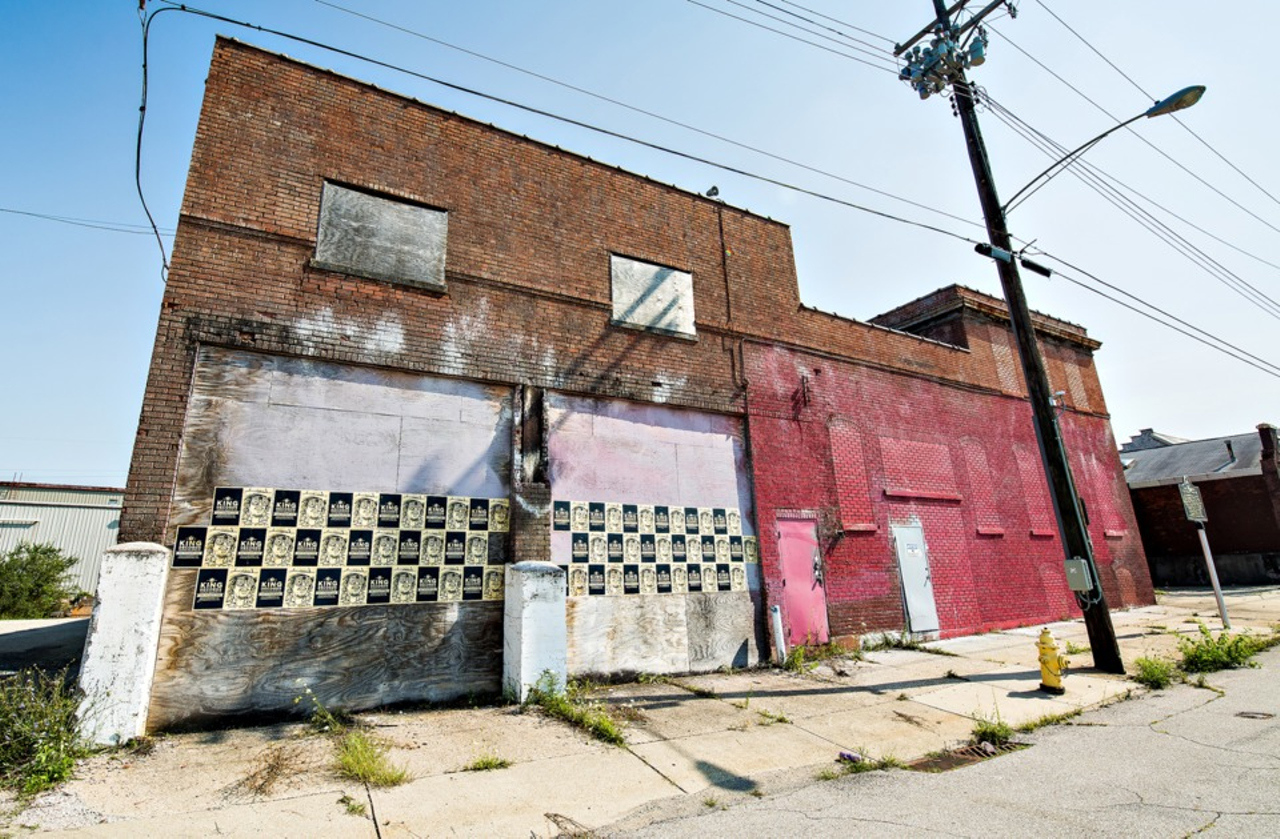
x: 354, y: 808
x: 1072, y: 648
x: 1208, y: 654
x: 770, y: 718
x: 1048, y: 719
x: 321, y: 719
x: 855, y: 763
x: 1155, y: 673
x: 803, y: 658
x: 270, y: 768
x: 39, y: 733
x: 571, y: 705
x: 363, y: 758
x: 486, y: 763
x: 992, y: 730
x: 359, y: 755
x: 903, y: 641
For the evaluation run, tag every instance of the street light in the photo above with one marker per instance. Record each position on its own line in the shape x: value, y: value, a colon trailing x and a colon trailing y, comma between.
x: 1184, y: 98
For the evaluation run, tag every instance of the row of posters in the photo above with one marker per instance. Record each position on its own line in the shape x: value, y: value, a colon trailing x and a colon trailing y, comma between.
x: 661, y: 547
x: 316, y: 509
x: 607, y: 517
x: 286, y: 547
x: 295, y: 588
x: 661, y: 578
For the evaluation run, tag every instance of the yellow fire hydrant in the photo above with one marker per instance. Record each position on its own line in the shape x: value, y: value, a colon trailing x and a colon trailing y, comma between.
x: 1052, y: 663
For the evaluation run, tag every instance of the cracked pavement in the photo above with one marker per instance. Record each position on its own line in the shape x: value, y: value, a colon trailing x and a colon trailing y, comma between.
x: 1177, y: 762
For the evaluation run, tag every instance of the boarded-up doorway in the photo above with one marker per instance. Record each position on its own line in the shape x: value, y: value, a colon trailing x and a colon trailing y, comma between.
x: 917, y: 580
x: 803, y: 596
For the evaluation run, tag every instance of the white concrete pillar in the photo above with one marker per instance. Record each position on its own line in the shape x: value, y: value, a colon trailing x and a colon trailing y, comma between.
x: 119, y: 658
x: 535, y: 640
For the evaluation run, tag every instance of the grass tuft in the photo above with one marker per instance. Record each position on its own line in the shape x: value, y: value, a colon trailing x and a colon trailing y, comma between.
x: 1048, y: 719
x: 39, y: 733
x: 1155, y: 673
x: 571, y: 706
x: 362, y: 758
x: 992, y: 730
x: 486, y: 763
x: 354, y: 808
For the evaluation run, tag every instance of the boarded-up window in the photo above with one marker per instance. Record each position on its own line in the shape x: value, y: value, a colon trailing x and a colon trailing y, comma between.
x: 381, y: 238
x: 648, y: 296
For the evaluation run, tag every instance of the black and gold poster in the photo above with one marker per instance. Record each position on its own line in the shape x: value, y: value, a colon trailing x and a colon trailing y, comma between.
x: 286, y: 548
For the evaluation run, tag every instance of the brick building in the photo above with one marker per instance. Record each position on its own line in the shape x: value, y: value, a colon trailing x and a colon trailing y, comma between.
x: 1239, y: 482
x: 399, y: 349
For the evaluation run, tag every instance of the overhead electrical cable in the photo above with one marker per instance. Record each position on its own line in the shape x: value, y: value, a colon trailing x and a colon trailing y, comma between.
x: 1096, y: 180
x: 1086, y: 165
x: 1174, y: 240
x: 1267, y: 367
x: 1140, y: 89
x: 145, y: 20
x: 644, y: 112
x: 1139, y: 135
x: 892, y: 70
x: 1209, y: 335
x: 813, y: 22
x: 111, y: 226
x: 564, y: 119
x: 845, y: 24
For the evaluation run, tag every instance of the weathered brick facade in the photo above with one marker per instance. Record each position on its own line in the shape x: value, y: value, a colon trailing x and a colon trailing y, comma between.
x: 859, y: 424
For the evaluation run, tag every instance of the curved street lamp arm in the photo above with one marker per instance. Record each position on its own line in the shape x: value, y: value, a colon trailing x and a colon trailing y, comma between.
x: 1062, y: 162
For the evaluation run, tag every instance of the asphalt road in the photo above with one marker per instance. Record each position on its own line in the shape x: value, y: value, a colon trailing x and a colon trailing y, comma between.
x: 1167, y: 764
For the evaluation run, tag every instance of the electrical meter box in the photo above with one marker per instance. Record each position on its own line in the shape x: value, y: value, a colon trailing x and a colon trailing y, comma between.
x: 1078, y: 577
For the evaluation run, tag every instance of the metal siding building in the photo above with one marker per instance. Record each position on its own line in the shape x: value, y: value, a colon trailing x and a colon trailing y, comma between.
x: 80, y: 521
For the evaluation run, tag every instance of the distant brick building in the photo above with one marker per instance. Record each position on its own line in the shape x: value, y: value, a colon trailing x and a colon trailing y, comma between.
x: 399, y: 349
x: 1239, y: 482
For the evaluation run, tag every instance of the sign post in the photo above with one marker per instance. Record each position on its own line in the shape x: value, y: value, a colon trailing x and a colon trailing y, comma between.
x: 1193, y: 504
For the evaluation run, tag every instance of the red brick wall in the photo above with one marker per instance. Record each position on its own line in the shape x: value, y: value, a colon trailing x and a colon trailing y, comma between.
x: 944, y: 456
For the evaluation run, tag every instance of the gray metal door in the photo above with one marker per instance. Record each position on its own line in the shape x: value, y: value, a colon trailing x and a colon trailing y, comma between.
x: 917, y: 581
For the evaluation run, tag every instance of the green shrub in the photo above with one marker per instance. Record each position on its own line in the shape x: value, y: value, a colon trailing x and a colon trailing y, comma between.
x: 1207, y: 654
x: 39, y: 735
x: 33, y: 581
x: 1155, y: 673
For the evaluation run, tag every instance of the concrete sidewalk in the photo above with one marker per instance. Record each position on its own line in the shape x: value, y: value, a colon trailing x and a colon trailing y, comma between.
x: 692, y: 742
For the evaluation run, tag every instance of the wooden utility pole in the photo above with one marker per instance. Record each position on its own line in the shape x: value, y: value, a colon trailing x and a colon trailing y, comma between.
x: 1066, y: 503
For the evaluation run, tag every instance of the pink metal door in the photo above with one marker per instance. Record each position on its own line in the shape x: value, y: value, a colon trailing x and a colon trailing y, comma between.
x: 804, y: 600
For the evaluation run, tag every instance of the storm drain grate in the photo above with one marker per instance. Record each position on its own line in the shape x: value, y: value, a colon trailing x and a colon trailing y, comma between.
x: 1255, y: 715
x: 963, y: 756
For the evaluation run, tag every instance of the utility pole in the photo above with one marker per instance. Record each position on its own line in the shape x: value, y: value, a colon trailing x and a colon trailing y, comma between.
x: 944, y: 64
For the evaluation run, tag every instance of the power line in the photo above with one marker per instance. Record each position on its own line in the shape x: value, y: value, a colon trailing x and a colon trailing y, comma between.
x: 813, y: 22
x: 112, y: 226
x: 793, y: 37
x: 1271, y: 372
x: 145, y: 20
x: 1153, y: 225
x: 1140, y: 89
x: 1094, y: 178
x: 644, y: 112
x: 1139, y: 135
x: 840, y: 22
x: 1274, y: 368
x: 564, y: 119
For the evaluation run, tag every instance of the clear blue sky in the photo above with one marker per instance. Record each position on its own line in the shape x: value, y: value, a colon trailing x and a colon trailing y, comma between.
x: 80, y: 304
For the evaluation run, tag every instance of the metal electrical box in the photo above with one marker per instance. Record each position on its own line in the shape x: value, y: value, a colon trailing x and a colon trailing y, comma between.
x: 1078, y: 577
